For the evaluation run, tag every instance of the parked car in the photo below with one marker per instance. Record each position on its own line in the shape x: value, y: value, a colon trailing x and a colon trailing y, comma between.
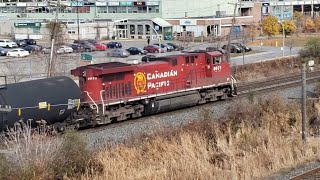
x: 153, y: 49
x: 64, y: 49
x: 32, y: 48
x: 18, y: 53
x: 3, y: 51
x: 30, y: 41
x: 100, y: 46
x: 77, y: 47
x: 234, y: 48
x: 114, y: 44
x: 92, y: 41
x: 246, y: 48
x: 134, y: 51
x: 147, y: 58
x: 88, y: 47
x: 118, y: 53
x: 176, y: 47
x: 45, y: 50
x: 80, y: 41
x: 165, y: 46
x: 21, y: 42
x: 7, y: 43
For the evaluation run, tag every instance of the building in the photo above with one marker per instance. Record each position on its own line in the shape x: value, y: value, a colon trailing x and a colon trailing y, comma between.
x: 127, y: 18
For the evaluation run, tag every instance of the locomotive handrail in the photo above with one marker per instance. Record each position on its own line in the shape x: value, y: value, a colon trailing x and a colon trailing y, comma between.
x: 95, y: 104
x: 103, y: 105
x: 5, y: 81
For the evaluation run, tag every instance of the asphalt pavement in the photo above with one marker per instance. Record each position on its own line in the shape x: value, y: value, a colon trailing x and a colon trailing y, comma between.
x: 35, y: 66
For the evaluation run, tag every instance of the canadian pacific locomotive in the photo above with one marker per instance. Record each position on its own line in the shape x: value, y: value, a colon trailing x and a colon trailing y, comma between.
x: 117, y: 91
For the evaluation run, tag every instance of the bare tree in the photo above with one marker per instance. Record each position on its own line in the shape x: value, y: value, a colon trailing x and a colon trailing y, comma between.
x: 244, y: 38
x: 57, y: 32
x: 15, y: 72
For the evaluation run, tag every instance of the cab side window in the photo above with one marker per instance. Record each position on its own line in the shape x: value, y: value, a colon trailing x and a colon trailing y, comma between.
x: 216, y: 60
x: 187, y: 60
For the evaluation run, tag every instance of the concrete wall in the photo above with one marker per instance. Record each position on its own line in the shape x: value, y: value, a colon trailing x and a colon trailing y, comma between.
x: 98, y: 30
x: 195, y: 8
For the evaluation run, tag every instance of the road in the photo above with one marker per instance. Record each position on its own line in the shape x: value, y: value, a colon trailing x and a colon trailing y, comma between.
x: 36, y: 65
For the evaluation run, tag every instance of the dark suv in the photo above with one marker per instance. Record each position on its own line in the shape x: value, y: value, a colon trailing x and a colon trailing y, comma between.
x: 30, y: 41
x: 21, y: 42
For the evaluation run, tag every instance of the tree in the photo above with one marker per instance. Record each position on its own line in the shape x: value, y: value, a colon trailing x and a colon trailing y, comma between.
x: 270, y: 26
x: 298, y: 18
x: 289, y: 27
x: 317, y: 23
x: 308, y: 24
x: 252, y: 31
x: 311, y: 48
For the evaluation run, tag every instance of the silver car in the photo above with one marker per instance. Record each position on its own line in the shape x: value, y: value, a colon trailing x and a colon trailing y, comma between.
x: 119, y: 53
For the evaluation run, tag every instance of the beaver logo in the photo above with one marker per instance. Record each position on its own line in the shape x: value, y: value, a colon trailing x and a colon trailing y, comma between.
x: 140, y: 82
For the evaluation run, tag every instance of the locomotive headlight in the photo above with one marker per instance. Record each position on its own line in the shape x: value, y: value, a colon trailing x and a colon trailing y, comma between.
x: 228, y: 79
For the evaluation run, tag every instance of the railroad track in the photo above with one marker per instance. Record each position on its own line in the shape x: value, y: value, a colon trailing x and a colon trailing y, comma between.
x: 313, y: 174
x: 276, y: 82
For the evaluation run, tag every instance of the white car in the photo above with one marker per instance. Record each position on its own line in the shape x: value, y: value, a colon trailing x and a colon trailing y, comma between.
x: 7, y: 43
x: 18, y: 53
x: 64, y: 49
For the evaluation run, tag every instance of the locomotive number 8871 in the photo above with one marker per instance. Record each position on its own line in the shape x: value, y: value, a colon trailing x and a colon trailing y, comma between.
x: 118, y: 91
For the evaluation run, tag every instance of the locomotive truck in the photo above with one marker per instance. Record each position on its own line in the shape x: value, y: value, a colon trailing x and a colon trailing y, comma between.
x: 116, y: 91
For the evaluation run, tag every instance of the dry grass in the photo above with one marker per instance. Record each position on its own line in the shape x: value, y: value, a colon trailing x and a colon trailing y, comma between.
x: 37, y: 155
x: 254, y: 141
x: 265, y: 69
x: 291, y: 41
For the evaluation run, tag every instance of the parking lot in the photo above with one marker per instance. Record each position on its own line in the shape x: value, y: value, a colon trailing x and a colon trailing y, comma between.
x: 35, y: 65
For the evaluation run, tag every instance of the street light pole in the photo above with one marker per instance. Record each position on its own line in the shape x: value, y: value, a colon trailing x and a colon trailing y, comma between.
x: 283, y: 36
x: 158, y: 38
x: 78, y: 20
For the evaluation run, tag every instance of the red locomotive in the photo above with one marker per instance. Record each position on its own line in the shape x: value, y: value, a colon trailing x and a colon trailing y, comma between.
x: 117, y: 91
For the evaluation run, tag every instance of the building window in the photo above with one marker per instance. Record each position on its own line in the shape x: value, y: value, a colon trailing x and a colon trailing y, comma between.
x: 72, y: 31
x: 132, y: 9
x: 112, y: 9
x: 132, y: 29
x: 147, y: 29
x: 140, y: 29
x: 102, y: 10
x: 153, y: 9
x: 121, y: 10
x: 142, y: 9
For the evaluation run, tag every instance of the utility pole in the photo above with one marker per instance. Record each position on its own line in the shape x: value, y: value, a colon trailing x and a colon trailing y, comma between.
x: 232, y: 26
x: 304, y: 101
x: 54, y: 31
x: 78, y: 21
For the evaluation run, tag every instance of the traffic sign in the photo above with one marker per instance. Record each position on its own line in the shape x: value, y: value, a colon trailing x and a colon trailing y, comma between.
x: 86, y: 57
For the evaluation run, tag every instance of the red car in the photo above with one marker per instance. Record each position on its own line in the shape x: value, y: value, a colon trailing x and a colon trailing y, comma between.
x: 100, y: 47
x: 153, y: 49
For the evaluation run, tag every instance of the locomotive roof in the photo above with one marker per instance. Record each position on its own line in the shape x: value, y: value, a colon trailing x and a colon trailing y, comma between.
x: 116, y: 67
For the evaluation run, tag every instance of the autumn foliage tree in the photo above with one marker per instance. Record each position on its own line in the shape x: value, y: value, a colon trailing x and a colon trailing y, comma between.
x: 298, y: 18
x: 308, y: 25
x: 289, y: 27
x: 317, y: 23
x: 270, y: 26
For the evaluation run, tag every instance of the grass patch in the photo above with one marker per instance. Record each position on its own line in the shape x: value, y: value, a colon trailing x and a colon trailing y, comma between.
x: 254, y: 141
x: 265, y: 69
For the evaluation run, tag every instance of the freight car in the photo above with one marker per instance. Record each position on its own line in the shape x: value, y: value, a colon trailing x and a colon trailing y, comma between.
x: 118, y: 91
x: 52, y: 99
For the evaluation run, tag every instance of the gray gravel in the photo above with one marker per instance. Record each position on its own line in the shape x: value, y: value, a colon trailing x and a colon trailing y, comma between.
x: 115, y: 133
x: 290, y: 173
